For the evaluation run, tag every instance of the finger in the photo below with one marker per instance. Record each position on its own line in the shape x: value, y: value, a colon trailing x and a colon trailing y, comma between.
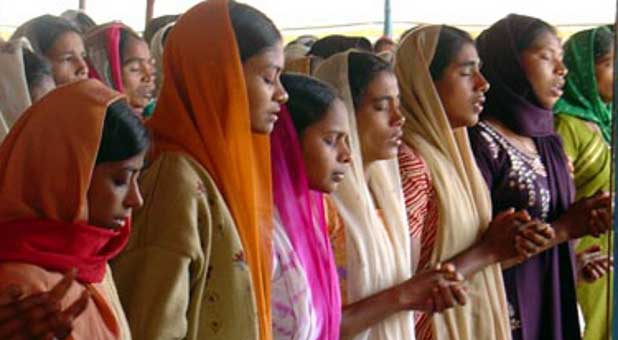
x: 62, y: 287
x: 537, y: 238
x: 10, y: 294
x: 504, y: 214
x: 449, y: 299
x: 460, y: 294
x: 77, y: 307
x: 10, y: 327
x: 521, y: 215
x: 438, y: 299
x: 526, y: 248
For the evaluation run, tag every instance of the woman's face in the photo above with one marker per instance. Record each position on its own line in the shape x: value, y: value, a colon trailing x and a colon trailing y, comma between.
x: 138, y: 74
x: 67, y: 57
x: 379, y: 118
x: 462, y: 88
x: 264, y: 89
x: 325, y: 149
x: 604, y: 72
x: 542, y: 64
x: 114, y: 192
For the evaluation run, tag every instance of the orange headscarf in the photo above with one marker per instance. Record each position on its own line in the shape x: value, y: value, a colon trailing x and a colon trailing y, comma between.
x: 203, y: 110
x: 47, y: 159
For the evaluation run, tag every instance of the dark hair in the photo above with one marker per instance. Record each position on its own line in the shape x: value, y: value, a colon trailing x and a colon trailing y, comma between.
x: 36, y: 68
x: 154, y: 25
x: 254, y: 31
x: 80, y: 19
x: 309, y: 99
x: 43, y: 31
x: 384, y: 41
x: 363, y: 67
x: 450, y: 42
x: 333, y: 44
x: 124, y: 136
x: 603, y: 43
x: 536, y: 28
x: 125, y: 34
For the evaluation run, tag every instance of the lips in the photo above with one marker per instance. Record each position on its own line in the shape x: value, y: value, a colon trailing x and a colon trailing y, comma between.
x: 338, y: 176
x: 396, y: 137
x: 556, y: 89
x: 478, y: 104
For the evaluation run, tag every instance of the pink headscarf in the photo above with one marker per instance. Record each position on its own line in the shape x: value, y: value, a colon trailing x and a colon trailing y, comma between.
x: 104, y: 60
x: 301, y: 212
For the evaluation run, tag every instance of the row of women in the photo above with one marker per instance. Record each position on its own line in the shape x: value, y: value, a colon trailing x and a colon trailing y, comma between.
x: 431, y: 196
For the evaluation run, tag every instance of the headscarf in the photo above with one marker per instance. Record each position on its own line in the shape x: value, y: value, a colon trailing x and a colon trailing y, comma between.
x: 104, y: 55
x: 156, y: 49
x: 301, y: 212
x: 14, y: 93
x: 508, y: 100
x: 203, y: 98
x: 581, y: 97
x: 378, y: 251
x: 464, y: 205
x: 46, y: 165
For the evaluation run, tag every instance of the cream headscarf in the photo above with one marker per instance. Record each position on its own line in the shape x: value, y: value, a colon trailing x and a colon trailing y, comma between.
x: 464, y: 202
x: 378, y: 254
x: 156, y: 50
x: 14, y: 93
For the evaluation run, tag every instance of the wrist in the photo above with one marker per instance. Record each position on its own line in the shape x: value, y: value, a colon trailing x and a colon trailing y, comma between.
x: 561, y: 230
x: 486, y: 250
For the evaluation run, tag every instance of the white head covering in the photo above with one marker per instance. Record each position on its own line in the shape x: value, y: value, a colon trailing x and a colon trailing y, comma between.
x: 378, y: 253
x: 463, y: 198
x: 14, y: 93
x: 156, y: 49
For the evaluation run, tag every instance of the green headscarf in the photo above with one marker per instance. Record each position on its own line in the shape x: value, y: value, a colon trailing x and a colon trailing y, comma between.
x: 581, y: 96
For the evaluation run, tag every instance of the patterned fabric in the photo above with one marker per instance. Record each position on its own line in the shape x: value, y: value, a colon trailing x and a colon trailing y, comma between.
x: 294, y: 315
x: 591, y: 158
x: 581, y: 95
x: 183, y: 274
x: 207, y: 105
x: 540, y: 291
x: 463, y: 201
x: 422, y: 211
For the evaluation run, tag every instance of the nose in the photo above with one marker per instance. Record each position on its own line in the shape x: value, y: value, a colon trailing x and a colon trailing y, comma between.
x: 344, y: 155
x: 397, y: 118
x: 280, y: 95
x: 81, y: 67
x: 134, y: 196
x: 561, y: 68
x: 481, y: 83
x: 148, y: 73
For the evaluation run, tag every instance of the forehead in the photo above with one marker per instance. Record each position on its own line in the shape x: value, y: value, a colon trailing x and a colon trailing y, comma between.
x: 67, y: 41
x: 383, y: 84
x: 466, y: 53
x: 136, y: 46
x: 545, y: 40
x: 270, y: 56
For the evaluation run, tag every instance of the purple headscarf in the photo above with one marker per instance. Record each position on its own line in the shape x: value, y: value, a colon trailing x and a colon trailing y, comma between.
x: 511, y: 100
x: 301, y: 212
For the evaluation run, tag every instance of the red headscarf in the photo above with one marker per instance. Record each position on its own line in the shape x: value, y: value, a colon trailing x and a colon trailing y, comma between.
x: 46, y: 164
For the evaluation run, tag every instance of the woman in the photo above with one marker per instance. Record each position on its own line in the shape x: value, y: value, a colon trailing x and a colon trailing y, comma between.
x: 524, y: 166
x: 367, y: 217
x: 52, y: 222
x: 60, y: 42
x: 121, y: 59
x: 583, y: 121
x: 309, y: 154
x: 25, y: 78
x: 198, y: 262
x: 447, y: 202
